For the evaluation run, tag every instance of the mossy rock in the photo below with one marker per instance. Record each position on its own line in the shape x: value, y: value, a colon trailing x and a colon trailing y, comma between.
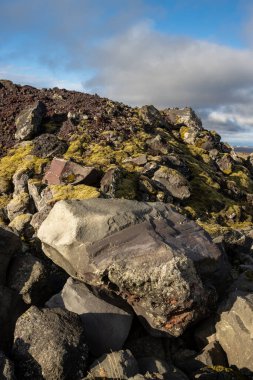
x: 20, y: 158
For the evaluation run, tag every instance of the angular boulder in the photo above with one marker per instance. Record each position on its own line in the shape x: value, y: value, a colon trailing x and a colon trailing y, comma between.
x: 234, y: 329
x: 29, y: 120
x: 174, y: 182
x: 28, y: 276
x: 9, y: 244
x: 182, y: 116
x: 64, y: 172
x: 106, y: 325
x: 165, y: 266
x: 50, y: 344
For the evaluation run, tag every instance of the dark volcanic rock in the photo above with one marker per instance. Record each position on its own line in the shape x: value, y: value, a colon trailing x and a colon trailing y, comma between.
x: 11, y: 307
x: 9, y: 244
x: 106, y: 325
x: 28, y: 276
x: 156, y: 259
x: 6, y: 368
x: 50, y: 344
x: 48, y: 145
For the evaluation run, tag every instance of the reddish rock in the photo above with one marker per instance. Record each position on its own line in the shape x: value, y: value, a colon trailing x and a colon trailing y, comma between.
x: 63, y: 172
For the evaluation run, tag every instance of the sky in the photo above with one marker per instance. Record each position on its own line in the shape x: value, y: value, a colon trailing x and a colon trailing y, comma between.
x: 196, y: 53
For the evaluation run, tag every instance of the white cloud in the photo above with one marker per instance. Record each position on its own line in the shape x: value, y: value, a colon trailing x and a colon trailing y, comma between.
x: 143, y: 66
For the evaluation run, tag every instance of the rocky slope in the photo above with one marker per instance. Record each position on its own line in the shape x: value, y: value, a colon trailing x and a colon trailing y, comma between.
x: 136, y: 186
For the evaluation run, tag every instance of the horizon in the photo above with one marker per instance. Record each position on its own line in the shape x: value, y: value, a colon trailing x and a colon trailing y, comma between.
x: 192, y: 53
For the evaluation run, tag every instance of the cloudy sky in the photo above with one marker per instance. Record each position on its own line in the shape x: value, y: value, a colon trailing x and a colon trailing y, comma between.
x: 169, y: 53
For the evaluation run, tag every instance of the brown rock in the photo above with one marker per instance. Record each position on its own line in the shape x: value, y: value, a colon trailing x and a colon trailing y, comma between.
x: 67, y: 172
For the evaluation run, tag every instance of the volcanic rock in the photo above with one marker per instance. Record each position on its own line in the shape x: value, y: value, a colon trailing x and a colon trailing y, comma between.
x: 6, y: 368
x: 106, y: 326
x: 9, y: 244
x: 64, y: 172
x: 50, y: 344
x: 174, y: 182
x: 234, y: 329
x: 29, y: 120
x: 48, y: 146
x: 116, y: 365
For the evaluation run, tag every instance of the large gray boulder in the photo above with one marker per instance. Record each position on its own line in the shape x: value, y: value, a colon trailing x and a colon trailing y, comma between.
x: 29, y: 120
x: 234, y: 329
x: 50, y: 344
x: 164, y: 265
x: 9, y: 244
x: 106, y: 325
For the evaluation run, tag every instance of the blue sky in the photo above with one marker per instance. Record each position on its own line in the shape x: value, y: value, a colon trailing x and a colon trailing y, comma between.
x: 195, y: 53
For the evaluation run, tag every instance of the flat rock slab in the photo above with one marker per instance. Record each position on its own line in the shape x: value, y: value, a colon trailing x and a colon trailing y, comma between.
x: 158, y: 261
x: 106, y: 325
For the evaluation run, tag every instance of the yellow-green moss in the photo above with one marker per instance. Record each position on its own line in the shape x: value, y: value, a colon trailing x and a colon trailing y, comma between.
x: 199, y: 153
x: 4, y: 200
x: 242, y: 179
x: 61, y: 192
x: 183, y: 131
x: 20, y: 159
x: 20, y: 221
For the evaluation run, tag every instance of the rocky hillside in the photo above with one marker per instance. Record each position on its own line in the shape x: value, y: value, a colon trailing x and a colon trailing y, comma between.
x: 104, y: 211
x: 132, y: 153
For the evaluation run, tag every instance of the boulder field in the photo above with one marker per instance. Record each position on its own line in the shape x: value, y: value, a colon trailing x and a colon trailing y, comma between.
x: 126, y: 240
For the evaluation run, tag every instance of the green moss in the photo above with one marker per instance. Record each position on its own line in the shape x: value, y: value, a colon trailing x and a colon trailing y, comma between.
x: 219, y: 368
x: 199, y: 153
x: 20, y: 159
x: 62, y: 192
x: 183, y: 130
x: 4, y: 200
x: 242, y: 178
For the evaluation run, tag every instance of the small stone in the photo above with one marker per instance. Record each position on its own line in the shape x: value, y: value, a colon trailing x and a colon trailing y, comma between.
x: 20, y: 204
x: 6, y: 368
x: 116, y: 365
